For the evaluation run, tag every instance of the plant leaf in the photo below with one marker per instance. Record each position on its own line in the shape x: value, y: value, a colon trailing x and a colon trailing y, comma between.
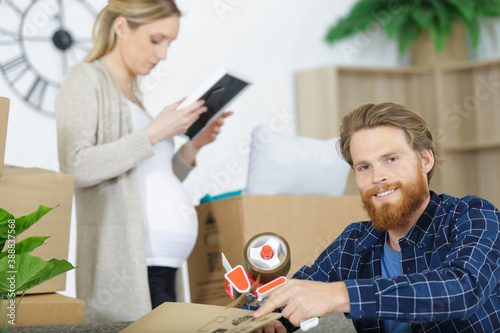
x: 423, y: 16
x: 440, y: 27
x: 466, y: 8
x: 437, y: 38
x: 24, y: 222
x: 394, y: 25
x: 5, y: 217
x: 26, y: 245
x: 486, y: 8
x: 25, y: 267
x: 369, y: 8
x: 408, y: 34
x: 363, y: 14
x: 435, y: 15
x: 55, y: 268
x: 473, y: 29
x: 29, y: 271
x: 443, y: 17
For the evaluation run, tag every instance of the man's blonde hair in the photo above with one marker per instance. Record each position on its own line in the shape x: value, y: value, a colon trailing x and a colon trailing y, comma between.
x: 387, y: 114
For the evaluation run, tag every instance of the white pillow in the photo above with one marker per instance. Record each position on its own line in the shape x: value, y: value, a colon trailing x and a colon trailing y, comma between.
x: 286, y: 164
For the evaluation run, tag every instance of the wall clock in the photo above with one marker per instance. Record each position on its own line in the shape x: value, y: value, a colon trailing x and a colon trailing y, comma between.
x: 39, y: 40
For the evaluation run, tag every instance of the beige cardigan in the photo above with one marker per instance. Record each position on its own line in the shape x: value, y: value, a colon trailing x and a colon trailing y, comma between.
x: 96, y: 144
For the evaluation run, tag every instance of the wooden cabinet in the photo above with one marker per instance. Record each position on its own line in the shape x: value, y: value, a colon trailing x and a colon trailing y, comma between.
x: 461, y: 104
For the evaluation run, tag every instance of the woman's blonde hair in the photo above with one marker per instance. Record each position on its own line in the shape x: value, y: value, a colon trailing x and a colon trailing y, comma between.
x: 387, y: 114
x: 137, y: 12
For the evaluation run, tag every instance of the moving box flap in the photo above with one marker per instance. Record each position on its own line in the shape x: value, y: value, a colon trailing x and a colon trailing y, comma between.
x: 191, y: 317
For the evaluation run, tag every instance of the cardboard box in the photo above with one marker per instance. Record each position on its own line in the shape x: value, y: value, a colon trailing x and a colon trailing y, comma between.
x: 308, y: 223
x: 22, y: 191
x: 4, y: 116
x: 188, y: 318
x: 47, y: 309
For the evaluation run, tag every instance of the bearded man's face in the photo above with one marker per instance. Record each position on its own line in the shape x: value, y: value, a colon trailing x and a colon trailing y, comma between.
x: 391, y: 176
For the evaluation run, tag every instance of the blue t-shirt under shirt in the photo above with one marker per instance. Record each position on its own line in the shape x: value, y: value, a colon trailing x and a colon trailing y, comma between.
x: 391, y: 267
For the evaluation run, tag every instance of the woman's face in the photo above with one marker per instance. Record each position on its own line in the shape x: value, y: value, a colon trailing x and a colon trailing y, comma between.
x: 142, y: 48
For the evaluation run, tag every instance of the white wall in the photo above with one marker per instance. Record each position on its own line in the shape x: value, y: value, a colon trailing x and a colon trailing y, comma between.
x: 267, y: 41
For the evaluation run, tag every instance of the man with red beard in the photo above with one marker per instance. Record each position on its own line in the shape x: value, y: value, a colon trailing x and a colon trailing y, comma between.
x: 424, y: 263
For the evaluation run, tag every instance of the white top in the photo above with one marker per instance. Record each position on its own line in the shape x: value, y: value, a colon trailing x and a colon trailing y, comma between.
x: 171, y: 223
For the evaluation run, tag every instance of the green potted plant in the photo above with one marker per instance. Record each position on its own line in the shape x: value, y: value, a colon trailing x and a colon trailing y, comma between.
x: 407, y: 20
x: 19, y: 271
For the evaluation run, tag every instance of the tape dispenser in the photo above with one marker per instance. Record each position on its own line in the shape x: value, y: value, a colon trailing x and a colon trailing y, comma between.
x: 266, y: 264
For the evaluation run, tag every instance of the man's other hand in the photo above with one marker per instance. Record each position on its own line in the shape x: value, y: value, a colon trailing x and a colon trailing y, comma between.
x: 273, y: 327
x: 304, y: 299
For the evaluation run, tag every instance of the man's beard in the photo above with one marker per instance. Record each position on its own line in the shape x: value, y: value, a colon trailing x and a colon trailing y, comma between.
x: 397, y: 215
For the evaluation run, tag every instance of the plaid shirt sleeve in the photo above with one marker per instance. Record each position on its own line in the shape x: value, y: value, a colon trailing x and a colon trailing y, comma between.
x: 451, y: 269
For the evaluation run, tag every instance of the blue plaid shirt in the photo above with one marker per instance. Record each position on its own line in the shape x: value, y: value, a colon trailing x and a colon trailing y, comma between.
x: 451, y: 270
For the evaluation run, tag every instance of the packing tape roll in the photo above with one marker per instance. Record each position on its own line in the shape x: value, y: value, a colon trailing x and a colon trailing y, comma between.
x: 267, y: 275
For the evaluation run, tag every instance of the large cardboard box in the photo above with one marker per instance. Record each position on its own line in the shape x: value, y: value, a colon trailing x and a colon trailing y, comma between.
x: 188, y: 318
x: 308, y: 223
x: 22, y: 191
x: 4, y: 116
x: 46, y: 309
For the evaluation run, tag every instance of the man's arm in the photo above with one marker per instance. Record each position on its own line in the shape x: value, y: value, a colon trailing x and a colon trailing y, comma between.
x: 306, y: 299
x: 462, y: 275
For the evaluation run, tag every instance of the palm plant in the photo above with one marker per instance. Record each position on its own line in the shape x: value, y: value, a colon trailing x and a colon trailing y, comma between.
x: 405, y: 20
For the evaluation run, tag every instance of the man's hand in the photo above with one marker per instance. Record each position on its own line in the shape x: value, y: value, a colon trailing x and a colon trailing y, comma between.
x: 306, y: 299
x: 273, y: 327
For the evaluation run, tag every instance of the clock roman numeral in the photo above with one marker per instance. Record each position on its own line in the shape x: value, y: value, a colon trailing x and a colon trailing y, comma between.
x: 11, y: 35
x: 17, y: 66
x: 37, y: 91
x: 15, y: 63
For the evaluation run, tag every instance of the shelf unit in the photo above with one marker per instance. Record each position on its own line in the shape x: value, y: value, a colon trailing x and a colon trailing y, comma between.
x: 459, y: 102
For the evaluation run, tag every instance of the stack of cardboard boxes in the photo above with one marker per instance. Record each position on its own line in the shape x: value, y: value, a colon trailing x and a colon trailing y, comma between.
x: 22, y: 191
